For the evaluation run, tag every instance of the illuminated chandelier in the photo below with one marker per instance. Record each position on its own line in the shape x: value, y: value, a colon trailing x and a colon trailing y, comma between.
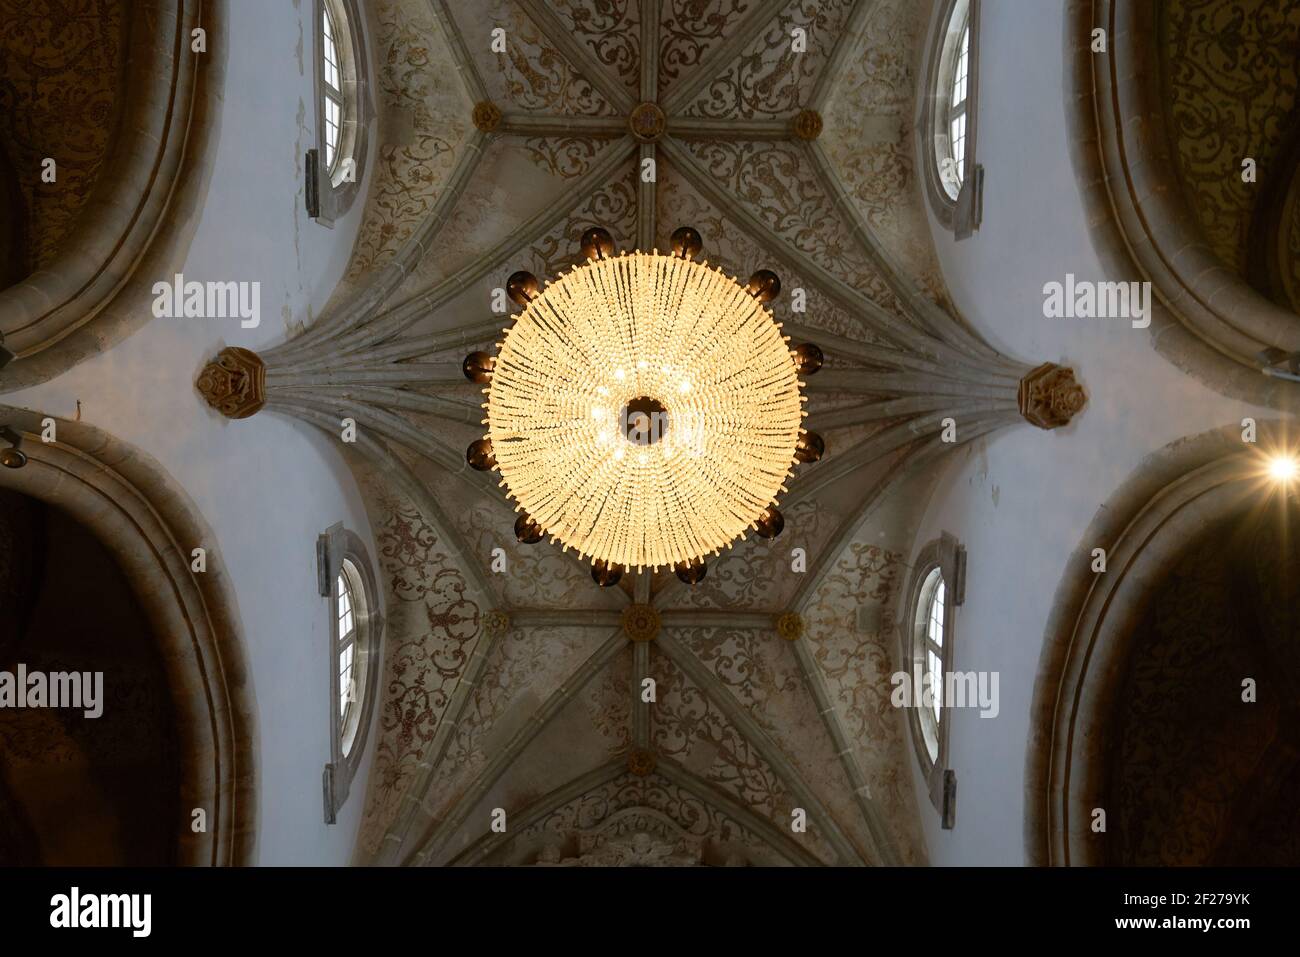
x: 644, y: 409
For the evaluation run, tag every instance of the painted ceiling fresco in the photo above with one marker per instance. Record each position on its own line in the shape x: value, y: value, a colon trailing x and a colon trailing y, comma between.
x: 520, y: 689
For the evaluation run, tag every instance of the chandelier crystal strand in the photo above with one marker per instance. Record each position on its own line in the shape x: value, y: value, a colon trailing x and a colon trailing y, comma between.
x: 711, y: 393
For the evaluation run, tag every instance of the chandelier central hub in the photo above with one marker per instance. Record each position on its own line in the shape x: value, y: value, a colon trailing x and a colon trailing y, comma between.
x: 645, y: 420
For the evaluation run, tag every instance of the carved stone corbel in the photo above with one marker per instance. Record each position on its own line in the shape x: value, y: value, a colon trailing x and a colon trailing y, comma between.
x: 1050, y: 397
x: 234, y: 383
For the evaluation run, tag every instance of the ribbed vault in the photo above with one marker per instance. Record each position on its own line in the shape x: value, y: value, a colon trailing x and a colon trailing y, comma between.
x: 521, y: 690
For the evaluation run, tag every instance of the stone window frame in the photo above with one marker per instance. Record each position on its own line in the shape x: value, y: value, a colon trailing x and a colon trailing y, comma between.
x: 947, y: 555
x: 330, y: 194
x: 335, y: 547
x: 962, y: 215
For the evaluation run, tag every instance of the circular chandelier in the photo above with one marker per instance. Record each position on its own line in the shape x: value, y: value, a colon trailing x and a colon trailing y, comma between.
x: 644, y: 409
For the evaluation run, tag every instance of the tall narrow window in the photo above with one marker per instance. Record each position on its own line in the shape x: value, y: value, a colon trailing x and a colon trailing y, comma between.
x: 342, y: 109
x: 927, y: 655
x: 952, y: 177
x: 351, y: 637
x: 937, y: 588
x: 332, y: 89
x: 957, y: 116
x: 934, y: 646
x: 347, y: 640
x: 355, y: 631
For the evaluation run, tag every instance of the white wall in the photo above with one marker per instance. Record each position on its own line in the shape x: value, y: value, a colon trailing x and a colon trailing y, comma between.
x: 1022, y: 501
x: 267, y: 486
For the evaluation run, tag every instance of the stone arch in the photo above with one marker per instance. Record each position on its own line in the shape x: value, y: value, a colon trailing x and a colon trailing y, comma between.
x: 1153, y: 518
x: 133, y: 507
x: 138, y: 221
x: 1207, y: 318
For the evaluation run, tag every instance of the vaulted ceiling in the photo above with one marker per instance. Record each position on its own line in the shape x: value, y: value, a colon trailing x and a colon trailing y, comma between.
x: 62, y: 81
x: 1230, y: 80
x: 521, y: 688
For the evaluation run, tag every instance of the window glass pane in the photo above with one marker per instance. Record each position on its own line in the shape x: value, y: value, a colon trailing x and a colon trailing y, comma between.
x: 329, y: 52
x: 934, y: 615
x: 961, y: 69
x: 333, y: 120
x: 347, y: 693
x: 954, y: 90
x: 353, y: 651
x: 935, y: 612
x: 936, y: 684
x: 957, y: 141
x: 347, y: 622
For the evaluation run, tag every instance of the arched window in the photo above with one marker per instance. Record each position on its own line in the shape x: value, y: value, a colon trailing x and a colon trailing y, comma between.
x: 935, y: 591
x: 332, y: 89
x: 953, y: 179
x: 954, y: 172
x: 927, y: 657
x: 356, y: 628
x: 930, y: 636
x: 342, y: 111
x: 352, y: 666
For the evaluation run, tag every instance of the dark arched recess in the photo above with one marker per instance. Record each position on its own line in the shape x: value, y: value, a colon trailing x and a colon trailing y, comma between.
x: 146, y: 523
x: 1208, y: 318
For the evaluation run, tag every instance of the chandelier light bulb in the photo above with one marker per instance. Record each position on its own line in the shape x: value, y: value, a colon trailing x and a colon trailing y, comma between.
x: 764, y: 285
x: 478, y: 367
x: 597, y: 243
x: 810, y: 448
x: 691, y: 573
x: 605, y: 574
x: 808, y: 358
x: 687, y: 243
x: 480, y: 456
x: 770, y: 523
x: 527, y: 531
x: 522, y: 287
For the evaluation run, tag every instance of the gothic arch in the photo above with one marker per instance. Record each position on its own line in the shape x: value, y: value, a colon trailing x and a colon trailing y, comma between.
x: 137, y: 222
x: 1146, y: 525
x: 132, y: 506
x: 1208, y: 319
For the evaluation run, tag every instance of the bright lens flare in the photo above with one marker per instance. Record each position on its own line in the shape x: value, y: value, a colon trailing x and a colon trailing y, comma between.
x: 1283, y: 468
